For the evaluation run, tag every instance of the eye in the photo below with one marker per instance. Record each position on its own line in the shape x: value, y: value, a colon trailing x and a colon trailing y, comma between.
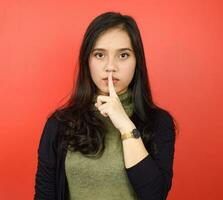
x: 124, y: 55
x: 99, y: 55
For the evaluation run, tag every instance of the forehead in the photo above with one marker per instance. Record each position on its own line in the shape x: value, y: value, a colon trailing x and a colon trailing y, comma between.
x: 115, y: 38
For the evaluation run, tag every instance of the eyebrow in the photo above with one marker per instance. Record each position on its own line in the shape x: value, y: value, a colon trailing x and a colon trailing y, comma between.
x: 121, y: 49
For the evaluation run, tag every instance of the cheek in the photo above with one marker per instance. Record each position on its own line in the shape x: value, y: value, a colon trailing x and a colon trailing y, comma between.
x: 95, y: 70
x: 128, y: 70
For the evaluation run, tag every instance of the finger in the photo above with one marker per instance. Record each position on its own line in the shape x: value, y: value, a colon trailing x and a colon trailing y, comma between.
x: 103, y: 110
x: 103, y: 107
x: 101, y: 99
x: 104, y: 113
x: 112, y: 92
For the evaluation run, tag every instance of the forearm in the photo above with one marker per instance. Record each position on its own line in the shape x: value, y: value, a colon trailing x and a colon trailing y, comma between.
x: 151, y: 178
x: 133, y: 149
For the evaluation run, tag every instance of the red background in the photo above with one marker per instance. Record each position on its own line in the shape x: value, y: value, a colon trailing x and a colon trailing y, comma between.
x: 39, y: 43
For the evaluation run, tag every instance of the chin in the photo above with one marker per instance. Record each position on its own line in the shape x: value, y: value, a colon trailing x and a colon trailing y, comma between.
x: 104, y: 91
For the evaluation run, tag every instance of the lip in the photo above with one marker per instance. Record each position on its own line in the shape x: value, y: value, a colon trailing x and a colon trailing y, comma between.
x: 113, y: 78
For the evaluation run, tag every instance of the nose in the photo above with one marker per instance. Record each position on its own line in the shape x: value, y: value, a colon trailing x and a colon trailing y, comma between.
x: 110, y: 65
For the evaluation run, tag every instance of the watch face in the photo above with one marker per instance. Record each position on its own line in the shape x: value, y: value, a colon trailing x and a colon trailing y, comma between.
x: 136, y: 133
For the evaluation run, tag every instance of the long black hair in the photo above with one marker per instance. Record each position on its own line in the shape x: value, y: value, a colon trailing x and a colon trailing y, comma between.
x: 82, y: 130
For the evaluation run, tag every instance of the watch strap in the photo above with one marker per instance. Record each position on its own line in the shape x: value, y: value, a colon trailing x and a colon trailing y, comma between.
x: 127, y: 135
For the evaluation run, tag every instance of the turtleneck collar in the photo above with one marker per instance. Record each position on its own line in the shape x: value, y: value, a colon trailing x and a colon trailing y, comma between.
x: 126, y: 100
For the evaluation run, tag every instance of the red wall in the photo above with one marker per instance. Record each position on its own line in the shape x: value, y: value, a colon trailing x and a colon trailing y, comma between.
x: 39, y: 42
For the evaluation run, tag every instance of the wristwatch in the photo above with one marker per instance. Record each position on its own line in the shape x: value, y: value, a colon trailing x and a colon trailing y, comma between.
x: 132, y: 134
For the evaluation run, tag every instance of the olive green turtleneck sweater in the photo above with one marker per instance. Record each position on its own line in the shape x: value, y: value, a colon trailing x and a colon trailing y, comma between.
x: 102, y: 178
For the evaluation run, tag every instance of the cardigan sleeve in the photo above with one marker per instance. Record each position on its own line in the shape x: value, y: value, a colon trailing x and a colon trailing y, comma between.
x: 151, y: 178
x: 45, y: 180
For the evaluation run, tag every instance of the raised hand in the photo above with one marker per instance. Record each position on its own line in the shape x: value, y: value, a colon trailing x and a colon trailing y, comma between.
x: 110, y: 106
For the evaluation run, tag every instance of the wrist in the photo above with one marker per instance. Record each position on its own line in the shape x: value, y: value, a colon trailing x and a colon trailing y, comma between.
x: 127, y: 128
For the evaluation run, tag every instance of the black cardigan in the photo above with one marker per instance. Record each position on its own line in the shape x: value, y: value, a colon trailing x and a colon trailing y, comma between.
x: 151, y: 178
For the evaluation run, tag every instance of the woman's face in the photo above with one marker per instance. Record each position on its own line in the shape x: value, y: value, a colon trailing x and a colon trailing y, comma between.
x: 112, y: 52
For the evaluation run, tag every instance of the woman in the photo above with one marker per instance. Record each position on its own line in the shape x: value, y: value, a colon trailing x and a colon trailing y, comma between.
x: 109, y: 141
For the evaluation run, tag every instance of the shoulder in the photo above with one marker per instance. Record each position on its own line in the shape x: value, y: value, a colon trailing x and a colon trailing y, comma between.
x: 49, y: 131
x: 51, y: 125
x: 163, y: 118
x: 164, y: 126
